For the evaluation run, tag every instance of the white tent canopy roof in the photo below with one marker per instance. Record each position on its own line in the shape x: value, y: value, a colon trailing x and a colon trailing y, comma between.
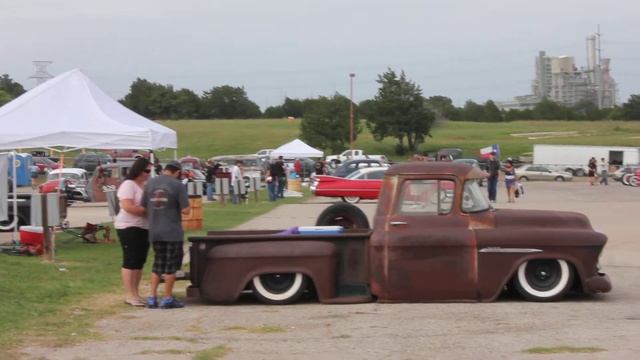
x: 296, y: 149
x: 71, y: 112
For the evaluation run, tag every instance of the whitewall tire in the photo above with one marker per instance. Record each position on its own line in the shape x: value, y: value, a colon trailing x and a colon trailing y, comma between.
x: 544, y: 279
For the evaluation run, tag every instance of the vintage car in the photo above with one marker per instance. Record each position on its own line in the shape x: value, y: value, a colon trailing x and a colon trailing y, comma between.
x: 538, y: 172
x: 435, y: 238
x: 350, y: 166
x: 191, y: 162
x: 72, y: 180
x: 360, y: 184
x: 251, y: 165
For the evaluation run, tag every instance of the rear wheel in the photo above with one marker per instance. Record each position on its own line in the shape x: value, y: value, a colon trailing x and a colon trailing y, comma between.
x: 559, y: 178
x: 544, y: 279
x: 523, y: 178
x: 351, y: 199
x: 346, y: 215
x: 278, y: 289
x: 625, y: 178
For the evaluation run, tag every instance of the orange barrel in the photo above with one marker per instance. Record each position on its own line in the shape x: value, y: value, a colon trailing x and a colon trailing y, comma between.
x: 193, y: 220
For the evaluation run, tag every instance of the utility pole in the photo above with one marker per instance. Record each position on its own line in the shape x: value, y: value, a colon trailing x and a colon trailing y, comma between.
x: 351, y: 76
x: 41, y: 75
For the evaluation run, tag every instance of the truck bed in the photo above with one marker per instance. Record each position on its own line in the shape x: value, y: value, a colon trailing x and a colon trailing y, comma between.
x: 352, y: 268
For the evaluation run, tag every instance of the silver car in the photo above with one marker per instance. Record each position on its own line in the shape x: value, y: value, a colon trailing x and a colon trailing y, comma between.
x: 538, y: 172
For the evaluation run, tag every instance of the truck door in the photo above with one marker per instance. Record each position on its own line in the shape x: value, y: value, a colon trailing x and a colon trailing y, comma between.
x: 431, y: 251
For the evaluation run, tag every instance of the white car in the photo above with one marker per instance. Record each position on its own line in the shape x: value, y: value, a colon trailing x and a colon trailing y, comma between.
x: 538, y: 172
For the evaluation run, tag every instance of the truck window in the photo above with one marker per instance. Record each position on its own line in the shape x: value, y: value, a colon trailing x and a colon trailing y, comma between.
x: 473, y: 199
x: 426, y: 197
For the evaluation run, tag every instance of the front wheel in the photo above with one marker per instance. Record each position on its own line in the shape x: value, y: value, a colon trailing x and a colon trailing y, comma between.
x: 544, y: 279
x: 523, y: 178
x: 579, y: 172
x: 278, y: 289
x: 351, y: 199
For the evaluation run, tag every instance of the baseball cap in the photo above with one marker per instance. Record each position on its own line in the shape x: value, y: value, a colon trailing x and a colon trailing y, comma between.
x: 174, y: 165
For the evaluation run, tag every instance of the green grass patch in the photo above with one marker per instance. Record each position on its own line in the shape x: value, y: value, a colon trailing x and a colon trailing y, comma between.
x: 563, y: 350
x: 216, y: 352
x: 206, y: 138
x: 262, y: 329
x: 58, y: 302
x: 162, y: 352
x: 166, y: 338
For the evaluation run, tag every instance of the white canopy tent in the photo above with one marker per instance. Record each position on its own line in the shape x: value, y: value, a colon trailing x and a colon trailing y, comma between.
x: 296, y: 149
x: 70, y: 112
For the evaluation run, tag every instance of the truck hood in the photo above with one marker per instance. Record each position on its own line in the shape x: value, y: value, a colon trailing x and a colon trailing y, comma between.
x: 542, y: 219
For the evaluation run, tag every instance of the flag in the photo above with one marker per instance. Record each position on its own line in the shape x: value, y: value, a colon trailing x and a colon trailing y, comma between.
x: 485, y: 152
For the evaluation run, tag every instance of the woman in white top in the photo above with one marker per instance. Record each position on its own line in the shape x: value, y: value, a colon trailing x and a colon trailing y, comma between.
x: 133, y: 229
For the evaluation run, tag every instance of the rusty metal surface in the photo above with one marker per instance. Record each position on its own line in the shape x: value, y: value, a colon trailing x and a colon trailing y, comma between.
x: 455, y: 256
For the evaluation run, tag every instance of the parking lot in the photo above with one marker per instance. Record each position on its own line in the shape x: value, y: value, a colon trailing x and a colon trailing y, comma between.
x: 500, y: 330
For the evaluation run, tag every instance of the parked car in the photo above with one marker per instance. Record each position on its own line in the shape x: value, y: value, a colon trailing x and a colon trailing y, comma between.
x: 251, y: 165
x: 364, y: 183
x: 350, y: 166
x: 629, y: 169
x: 89, y: 161
x: 190, y: 162
x: 65, y: 186
x: 264, y: 153
x: 107, y: 177
x: 44, y: 164
x: 537, y: 172
x: 128, y: 153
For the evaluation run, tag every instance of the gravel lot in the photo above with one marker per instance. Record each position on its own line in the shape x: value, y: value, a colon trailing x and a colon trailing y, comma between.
x: 500, y: 330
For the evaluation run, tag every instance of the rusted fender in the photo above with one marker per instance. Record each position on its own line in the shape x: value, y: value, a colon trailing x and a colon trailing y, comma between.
x: 231, y: 267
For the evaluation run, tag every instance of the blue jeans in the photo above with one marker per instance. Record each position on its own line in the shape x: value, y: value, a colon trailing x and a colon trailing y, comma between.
x: 210, y: 191
x: 271, y: 187
x: 492, y: 187
x: 282, y: 182
x: 604, y: 177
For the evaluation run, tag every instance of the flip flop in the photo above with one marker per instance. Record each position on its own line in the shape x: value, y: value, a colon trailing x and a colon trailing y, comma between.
x: 134, y: 303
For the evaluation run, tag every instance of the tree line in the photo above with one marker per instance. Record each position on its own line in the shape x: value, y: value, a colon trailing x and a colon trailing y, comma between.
x: 398, y: 110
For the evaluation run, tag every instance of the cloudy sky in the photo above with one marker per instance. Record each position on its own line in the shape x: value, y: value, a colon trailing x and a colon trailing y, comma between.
x: 464, y: 49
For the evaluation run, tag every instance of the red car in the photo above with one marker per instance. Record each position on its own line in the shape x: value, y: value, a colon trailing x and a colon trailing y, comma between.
x: 360, y: 184
x: 44, y: 164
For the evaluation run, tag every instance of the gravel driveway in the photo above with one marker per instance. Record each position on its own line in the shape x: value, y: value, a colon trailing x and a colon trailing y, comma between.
x: 500, y: 330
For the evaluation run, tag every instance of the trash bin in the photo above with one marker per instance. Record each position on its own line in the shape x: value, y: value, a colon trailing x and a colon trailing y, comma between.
x: 193, y: 221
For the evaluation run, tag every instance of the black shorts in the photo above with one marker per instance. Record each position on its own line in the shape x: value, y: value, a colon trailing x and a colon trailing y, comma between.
x: 168, y: 257
x: 135, y: 247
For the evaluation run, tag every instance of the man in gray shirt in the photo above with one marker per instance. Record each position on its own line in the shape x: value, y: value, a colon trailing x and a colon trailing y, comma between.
x: 165, y: 199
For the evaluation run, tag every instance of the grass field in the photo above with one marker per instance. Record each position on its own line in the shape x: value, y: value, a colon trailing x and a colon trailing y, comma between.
x: 206, y: 138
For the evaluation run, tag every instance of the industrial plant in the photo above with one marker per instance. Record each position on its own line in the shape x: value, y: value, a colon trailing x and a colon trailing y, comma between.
x: 558, y: 78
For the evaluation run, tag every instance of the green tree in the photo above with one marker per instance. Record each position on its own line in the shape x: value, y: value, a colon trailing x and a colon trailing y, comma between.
x: 472, y: 111
x: 631, y: 109
x: 442, y: 106
x: 5, y: 97
x: 11, y: 87
x: 274, y: 112
x: 491, y: 113
x: 399, y: 111
x: 326, y: 123
x: 228, y: 102
x: 149, y: 99
x: 185, y: 104
x: 293, y: 107
x: 549, y: 110
x: 588, y: 110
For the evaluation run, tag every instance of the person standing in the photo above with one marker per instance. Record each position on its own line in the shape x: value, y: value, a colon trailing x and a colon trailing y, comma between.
x: 603, y: 169
x: 297, y: 167
x: 236, y: 182
x: 493, y: 168
x: 33, y: 169
x: 592, y: 171
x: 132, y: 227
x: 165, y: 199
x: 510, y: 180
x: 281, y: 175
x: 271, y: 185
x: 210, y: 178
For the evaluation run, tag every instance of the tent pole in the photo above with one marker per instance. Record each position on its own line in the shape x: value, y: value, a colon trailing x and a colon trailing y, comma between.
x: 175, y: 154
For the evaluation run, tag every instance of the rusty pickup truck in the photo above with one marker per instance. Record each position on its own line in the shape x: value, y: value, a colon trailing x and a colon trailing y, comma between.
x: 435, y: 238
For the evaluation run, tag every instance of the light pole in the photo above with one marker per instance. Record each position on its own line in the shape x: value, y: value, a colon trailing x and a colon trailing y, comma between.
x: 351, y: 76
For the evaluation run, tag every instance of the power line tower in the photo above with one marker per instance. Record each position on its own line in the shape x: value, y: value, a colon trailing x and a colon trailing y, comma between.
x: 41, y: 75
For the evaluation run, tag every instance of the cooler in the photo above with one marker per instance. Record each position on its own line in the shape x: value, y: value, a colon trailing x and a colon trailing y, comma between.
x: 31, y: 235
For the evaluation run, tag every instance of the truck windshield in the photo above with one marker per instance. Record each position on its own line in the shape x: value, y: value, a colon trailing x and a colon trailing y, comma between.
x: 473, y: 199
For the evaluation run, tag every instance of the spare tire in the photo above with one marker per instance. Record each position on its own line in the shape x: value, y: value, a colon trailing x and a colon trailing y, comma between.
x: 345, y: 215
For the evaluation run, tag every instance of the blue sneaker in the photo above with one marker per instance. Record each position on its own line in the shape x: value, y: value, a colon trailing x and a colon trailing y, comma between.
x: 171, y: 303
x: 152, y: 302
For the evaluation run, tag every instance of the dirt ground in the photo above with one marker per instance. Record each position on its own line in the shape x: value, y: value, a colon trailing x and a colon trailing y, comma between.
x: 500, y: 330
